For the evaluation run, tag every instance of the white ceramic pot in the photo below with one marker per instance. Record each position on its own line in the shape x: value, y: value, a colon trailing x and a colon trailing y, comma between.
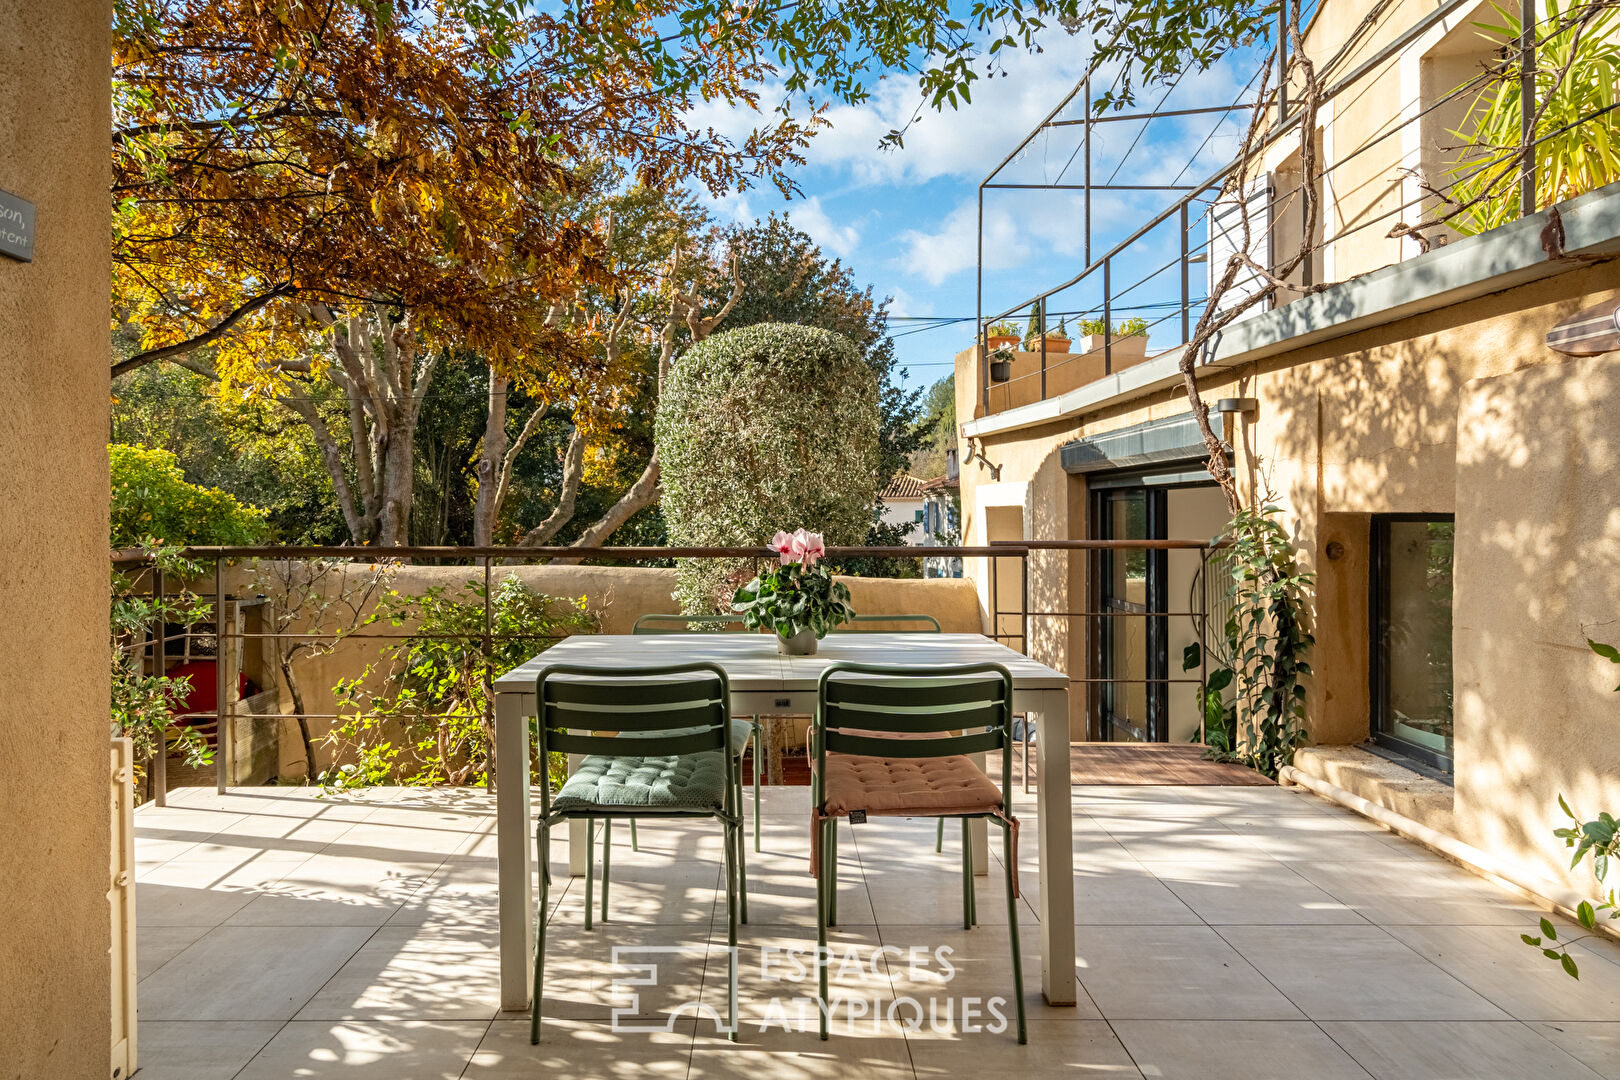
x: 801, y: 644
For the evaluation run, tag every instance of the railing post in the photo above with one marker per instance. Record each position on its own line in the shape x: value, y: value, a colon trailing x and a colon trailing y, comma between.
x: 1527, y: 108
x: 158, y: 772
x: 489, y: 683
x: 1108, y: 317
x: 978, y: 313
x: 1041, y: 319
x: 1282, y: 62
x: 1085, y: 138
x: 1186, y: 300
x: 1023, y: 603
x: 222, y: 735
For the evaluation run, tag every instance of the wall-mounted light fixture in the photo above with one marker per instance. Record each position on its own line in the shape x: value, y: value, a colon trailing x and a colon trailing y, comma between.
x: 995, y: 470
x: 1247, y: 406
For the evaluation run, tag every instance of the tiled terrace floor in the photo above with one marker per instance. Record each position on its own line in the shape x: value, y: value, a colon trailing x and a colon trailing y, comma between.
x: 1223, y: 932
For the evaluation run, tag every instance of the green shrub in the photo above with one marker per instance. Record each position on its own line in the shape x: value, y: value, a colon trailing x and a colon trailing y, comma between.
x: 151, y: 498
x: 763, y: 428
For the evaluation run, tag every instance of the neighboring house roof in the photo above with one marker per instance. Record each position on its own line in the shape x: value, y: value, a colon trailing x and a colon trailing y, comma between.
x: 941, y: 483
x: 903, y: 487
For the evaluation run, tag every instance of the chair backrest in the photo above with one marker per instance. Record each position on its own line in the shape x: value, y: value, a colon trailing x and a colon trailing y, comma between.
x: 659, y: 623
x: 856, y: 704
x: 684, y: 709
x: 879, y: 624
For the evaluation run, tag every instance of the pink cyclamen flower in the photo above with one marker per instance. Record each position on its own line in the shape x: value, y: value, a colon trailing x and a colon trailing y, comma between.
x: 812, y: 549
x: 782, y: 544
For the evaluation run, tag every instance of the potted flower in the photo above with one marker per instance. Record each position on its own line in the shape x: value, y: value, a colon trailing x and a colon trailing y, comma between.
x: 1001, y: 362
x: 1001, y: 335
x: 798, y: 600
x: 1129, y: 339
x: 1058, y: 341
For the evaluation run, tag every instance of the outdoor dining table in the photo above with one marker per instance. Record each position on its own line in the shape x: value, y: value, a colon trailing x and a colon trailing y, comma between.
x: 764, y: 682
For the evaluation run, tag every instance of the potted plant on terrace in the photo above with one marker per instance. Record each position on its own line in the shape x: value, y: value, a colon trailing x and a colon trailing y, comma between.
x: 1058, y: 341
x: 1129, y: 339
x: 1001, y: 335
x: 1001, y: 362
x: 798, y: 600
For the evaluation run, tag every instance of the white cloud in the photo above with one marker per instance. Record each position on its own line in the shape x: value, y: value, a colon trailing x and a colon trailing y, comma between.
x: 952, y: 248
x: 903, y: 304
x: 809, y: 216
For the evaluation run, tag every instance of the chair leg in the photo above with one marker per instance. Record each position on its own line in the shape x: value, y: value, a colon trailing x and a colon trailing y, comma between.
x: 607, y: 860
x: 542, y: 842
x: 635, y: 841
x: 759, y: 742
x: 822, y: 893
x: 832, y: 872
x: 939, y: 837
x: 1012, y: 933
x: 734, y: 894
x: 590, y: 868
x: 967, y: 875
x: 742, y: 860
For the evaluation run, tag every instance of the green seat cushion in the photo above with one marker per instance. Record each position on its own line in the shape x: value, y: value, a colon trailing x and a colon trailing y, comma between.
x: 680, y: 782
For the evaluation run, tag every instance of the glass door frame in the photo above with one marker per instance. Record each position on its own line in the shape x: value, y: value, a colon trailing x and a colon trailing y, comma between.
x: 1105, y: 623
x: 1378, y: 605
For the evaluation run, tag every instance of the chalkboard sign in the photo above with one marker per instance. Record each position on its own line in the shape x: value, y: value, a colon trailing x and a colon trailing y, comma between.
x: 16, y: 227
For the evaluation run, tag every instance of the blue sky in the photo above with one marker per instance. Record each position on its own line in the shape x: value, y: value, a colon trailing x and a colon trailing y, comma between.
x: 904, y: 220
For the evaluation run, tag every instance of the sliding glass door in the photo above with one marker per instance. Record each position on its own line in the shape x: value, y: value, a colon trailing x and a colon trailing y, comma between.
x: 1129, y: 585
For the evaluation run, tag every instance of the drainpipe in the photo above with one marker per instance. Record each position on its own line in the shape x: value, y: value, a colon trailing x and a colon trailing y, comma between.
x: 1496, y: 870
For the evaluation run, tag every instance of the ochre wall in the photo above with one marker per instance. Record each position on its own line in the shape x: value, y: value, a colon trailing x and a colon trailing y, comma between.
x: 616, y: 595
x: 1369, y: 424
x: 55, y: 971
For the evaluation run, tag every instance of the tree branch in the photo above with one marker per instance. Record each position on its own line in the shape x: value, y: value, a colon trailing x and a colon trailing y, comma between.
x: 212, y: 334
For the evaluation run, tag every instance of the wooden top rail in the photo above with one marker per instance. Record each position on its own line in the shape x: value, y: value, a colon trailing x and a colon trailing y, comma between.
x: 1106, y: 545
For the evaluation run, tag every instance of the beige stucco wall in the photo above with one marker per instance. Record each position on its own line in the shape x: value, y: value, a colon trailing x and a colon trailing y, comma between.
x: 1537, y: 572
x: 1369, y: 424
x: 617, y: 596
x: 55, y: 970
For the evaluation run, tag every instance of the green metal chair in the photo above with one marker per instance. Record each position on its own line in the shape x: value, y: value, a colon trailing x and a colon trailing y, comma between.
x: 875, y: 721
x: 870, y: 624
x: 678, y: 765
x: 660, y: 623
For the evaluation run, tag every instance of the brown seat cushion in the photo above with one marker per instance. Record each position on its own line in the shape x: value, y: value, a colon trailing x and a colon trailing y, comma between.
x: 902, y: 786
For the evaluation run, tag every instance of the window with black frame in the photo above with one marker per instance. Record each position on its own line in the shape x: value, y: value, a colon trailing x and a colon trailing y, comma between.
x: 1411, y: 627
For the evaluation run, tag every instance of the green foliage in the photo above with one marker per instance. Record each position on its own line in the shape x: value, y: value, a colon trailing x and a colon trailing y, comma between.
x: 143, y: 702
x: 248, y: 445
x: 1598, y: 839
x: 1268, y: 642
x: 151, y: 498
x: 758, y: 426
x: 1135, y: 326
x: 789, y: 280
x: 1004, y: 328
x: 430, y: 720
x: 1583, y: 158
x: 790, y: 598
x: 1220, y: 712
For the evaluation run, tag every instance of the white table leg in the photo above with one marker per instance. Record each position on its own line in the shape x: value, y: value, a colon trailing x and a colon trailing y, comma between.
x: 514, y: 843
x: 576, y: 830
x: 1055, y: 846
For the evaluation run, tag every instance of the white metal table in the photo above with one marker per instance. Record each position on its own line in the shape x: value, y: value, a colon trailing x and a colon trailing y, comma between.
x: 764, y: 682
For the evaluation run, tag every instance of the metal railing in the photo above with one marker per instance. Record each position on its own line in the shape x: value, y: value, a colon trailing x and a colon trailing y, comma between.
x: 1195, y: 208
x: 1009, y: 625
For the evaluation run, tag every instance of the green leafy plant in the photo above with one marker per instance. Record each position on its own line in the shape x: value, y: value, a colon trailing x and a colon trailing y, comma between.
x: 1136, y: 326
x: 1266, y: 640
x: 1598, y: 839
x: 143, y: 702
x: 1569, y: 162
x: 759, y: 425
x: 796, y: 595
x: 1004, y: 328
x: 1220, y: 712
x: 429, y: 721
x: 152, y: 498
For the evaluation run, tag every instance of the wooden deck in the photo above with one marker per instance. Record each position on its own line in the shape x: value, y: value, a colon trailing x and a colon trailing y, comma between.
x: 1155, y: 764
x: 1126, y: 764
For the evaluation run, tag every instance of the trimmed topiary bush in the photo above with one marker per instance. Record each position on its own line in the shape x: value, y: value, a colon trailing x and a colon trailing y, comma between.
x: 766, y: 427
